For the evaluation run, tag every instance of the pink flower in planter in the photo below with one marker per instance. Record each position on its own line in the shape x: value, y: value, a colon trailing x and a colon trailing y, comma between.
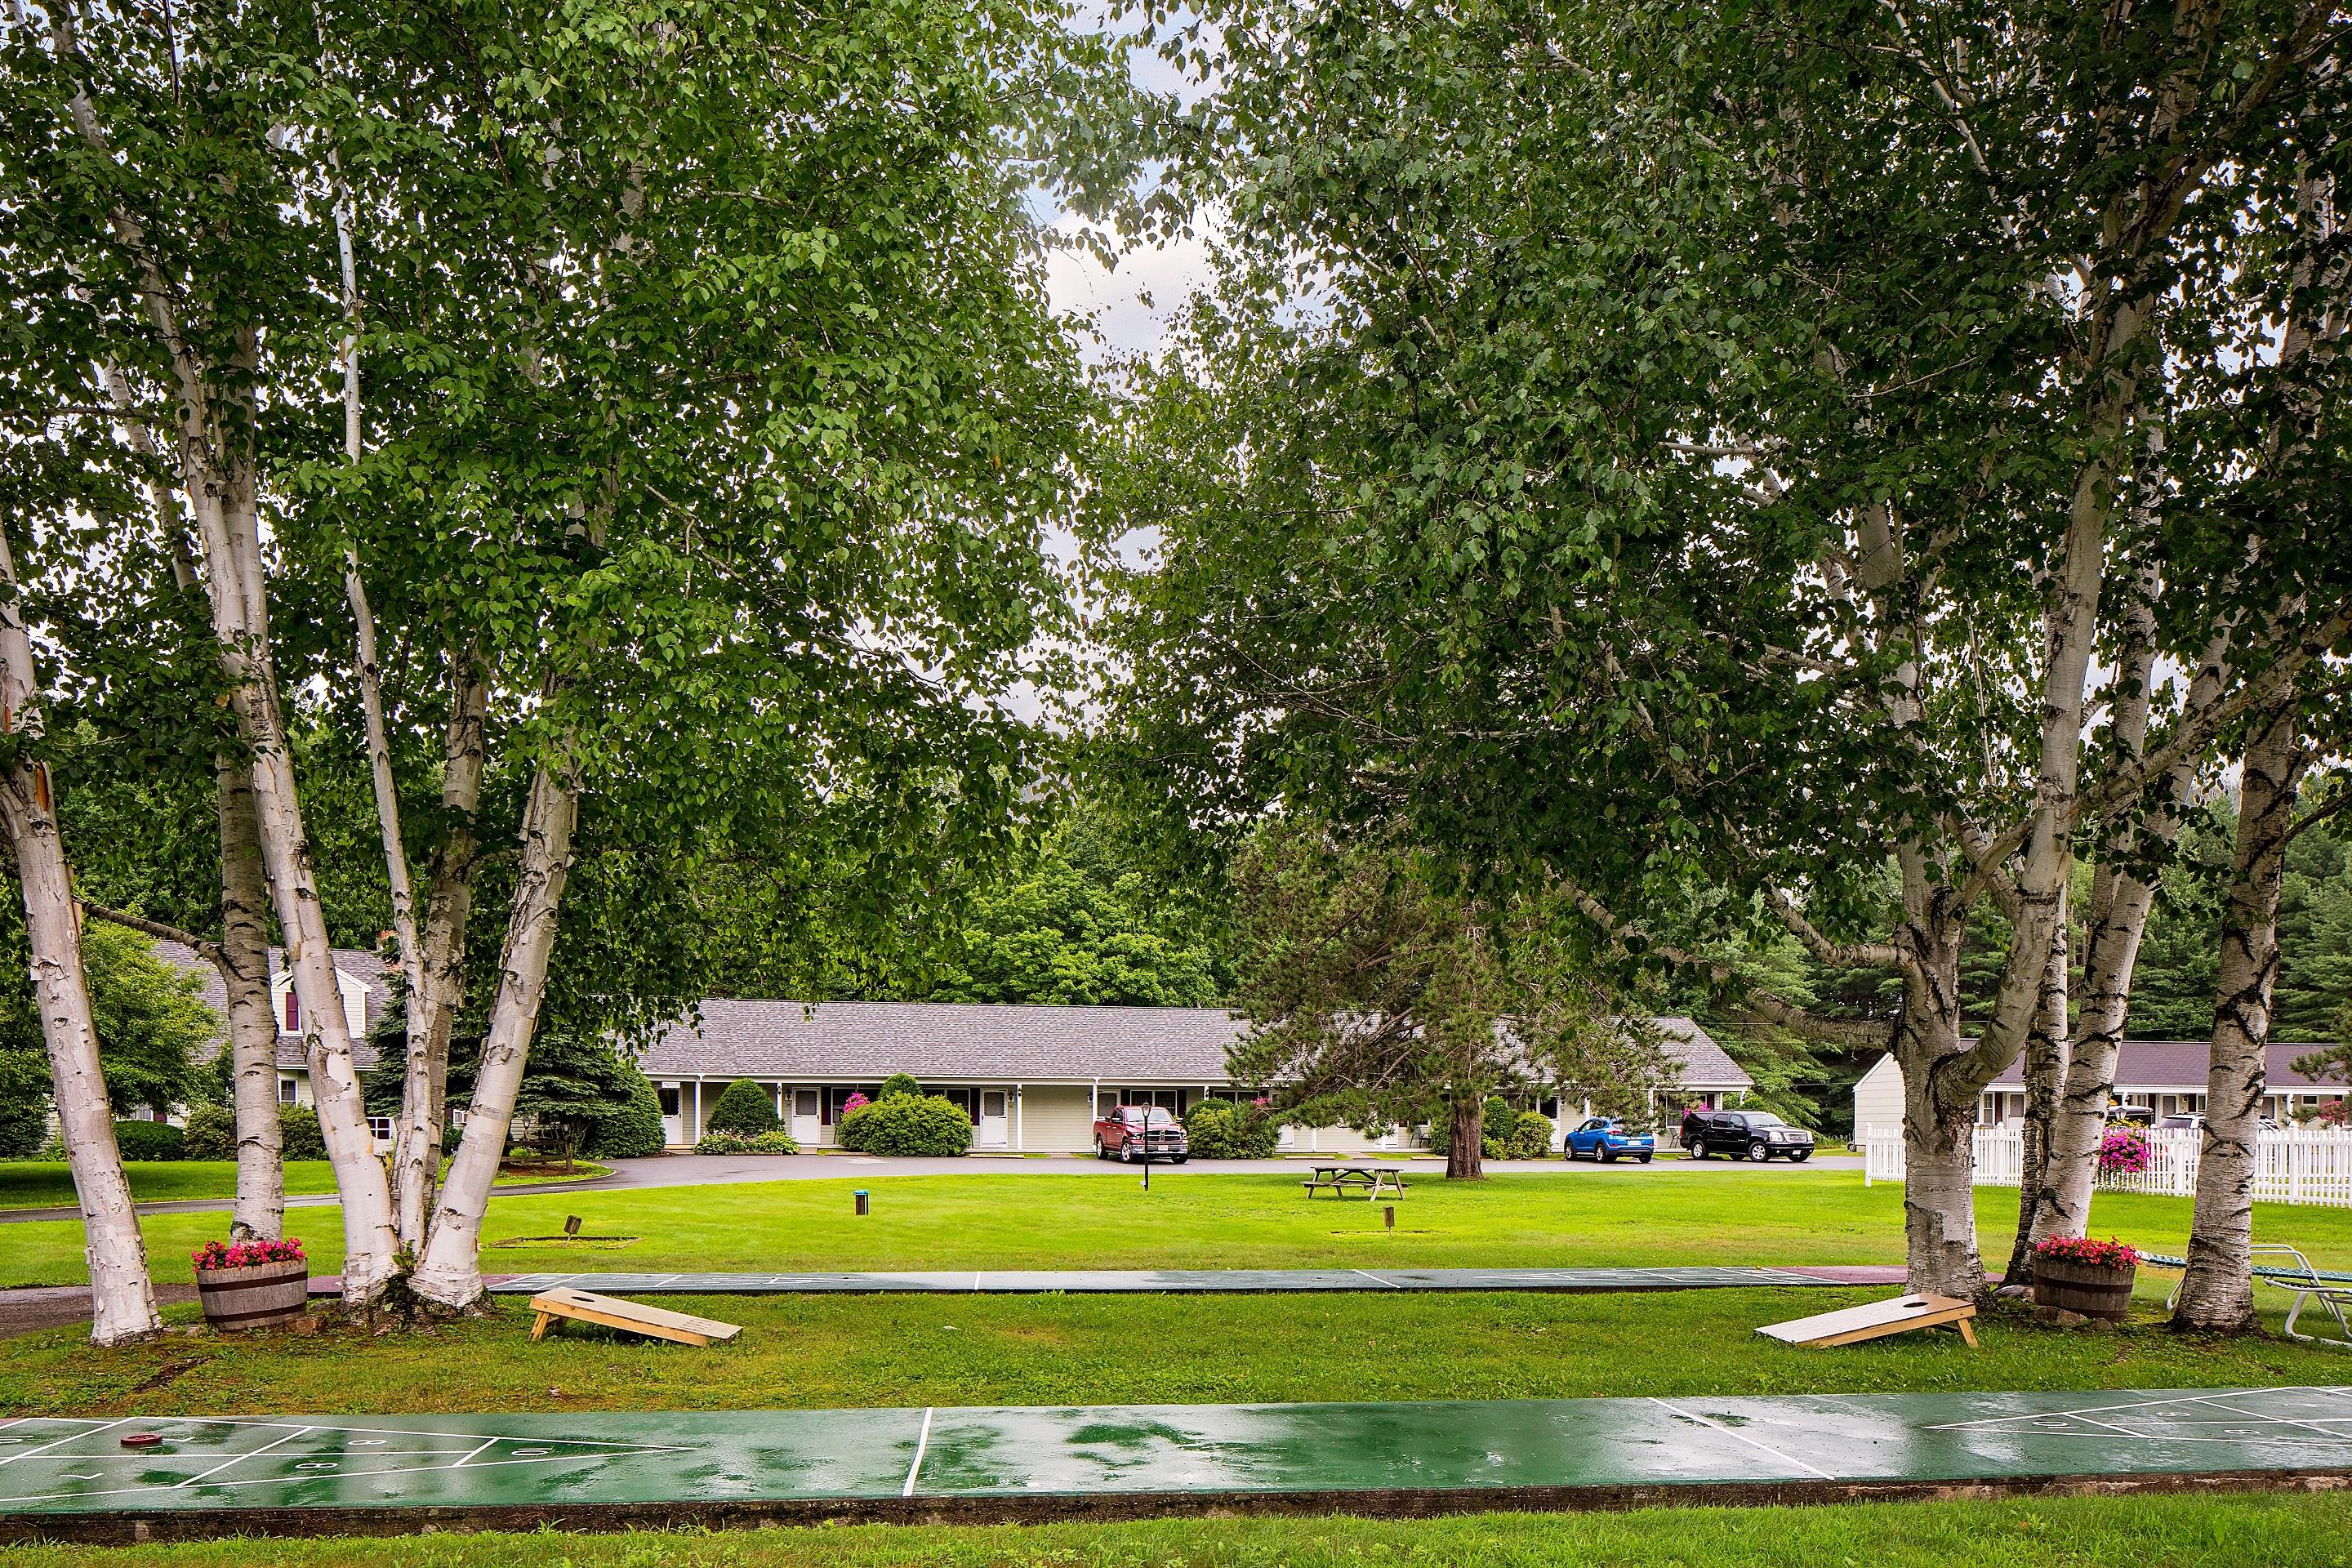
x: 2107, y: 1254
x: 248, y: 1253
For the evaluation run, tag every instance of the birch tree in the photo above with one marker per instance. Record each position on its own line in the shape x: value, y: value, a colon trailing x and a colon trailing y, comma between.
x: 122, y: 1302
x: 1718, y: 438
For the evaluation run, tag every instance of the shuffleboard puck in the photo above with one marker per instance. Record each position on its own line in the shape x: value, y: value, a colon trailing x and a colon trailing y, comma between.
x: 143, y: 1440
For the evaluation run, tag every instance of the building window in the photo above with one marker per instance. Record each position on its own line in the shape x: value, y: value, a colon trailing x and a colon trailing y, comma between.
x: 1170, y: 1100
x: 379, y: 1129
x: 668, y: 1093
x: 838, y: 1095
x: 289, y: 1092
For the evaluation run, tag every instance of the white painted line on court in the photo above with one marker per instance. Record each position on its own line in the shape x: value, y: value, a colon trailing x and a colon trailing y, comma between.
x: 2214, y: 1401
x: 240, y: 1458
x: 485, y: 1443
x: 922, y: 1446
x: 1368, y: 1274
x: 61, y: 1442
x: 1735, y: 1432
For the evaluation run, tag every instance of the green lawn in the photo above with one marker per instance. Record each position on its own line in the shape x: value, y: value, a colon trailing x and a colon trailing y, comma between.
x: 2041, y: 1532
x: 964, y: 1350
x: 1208, y: 1220
x: 48, y: 1183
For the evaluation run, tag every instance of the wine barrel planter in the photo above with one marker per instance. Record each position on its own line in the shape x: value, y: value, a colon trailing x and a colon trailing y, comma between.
x: 2094, y: 1290
x: 263, y: 1296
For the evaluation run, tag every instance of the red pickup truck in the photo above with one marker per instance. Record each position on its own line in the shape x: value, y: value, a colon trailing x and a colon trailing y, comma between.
x: 1130, y: 1131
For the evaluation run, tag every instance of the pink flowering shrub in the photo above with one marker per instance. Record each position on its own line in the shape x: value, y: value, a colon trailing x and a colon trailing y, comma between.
x: 248, y: 1253
x: 2123, y: 1152
x: 2107, y: 1254
x: 854, y: 1102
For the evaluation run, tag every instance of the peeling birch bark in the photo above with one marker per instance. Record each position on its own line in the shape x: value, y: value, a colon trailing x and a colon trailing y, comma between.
x: 2047, y: 1058
x: 2218, y: 1293
x: 432, y: 1007
x: 450, y: 1271
x: 122, y: 1302
x: 260, y: 1212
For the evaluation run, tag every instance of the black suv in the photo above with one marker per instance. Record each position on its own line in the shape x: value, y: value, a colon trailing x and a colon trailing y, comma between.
x: 1757, y: 1134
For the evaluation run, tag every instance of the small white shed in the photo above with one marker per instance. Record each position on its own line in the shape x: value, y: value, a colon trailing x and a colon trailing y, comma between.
x: 1878, y: 1096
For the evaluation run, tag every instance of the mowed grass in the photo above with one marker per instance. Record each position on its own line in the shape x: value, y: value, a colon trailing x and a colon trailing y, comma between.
x: 818, y: 1351
x: 2041, y: 1532
x: 913, y: 1350
x: 1194, y: 1218
x: 49, y: 1184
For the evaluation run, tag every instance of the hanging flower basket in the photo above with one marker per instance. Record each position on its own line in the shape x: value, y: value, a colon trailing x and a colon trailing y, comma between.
x: 2124, y: 1152
x: 2075, y: 1274
x: 247, y: 1285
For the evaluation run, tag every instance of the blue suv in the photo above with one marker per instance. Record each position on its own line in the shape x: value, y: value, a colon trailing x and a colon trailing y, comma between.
x: 1608, y: 1140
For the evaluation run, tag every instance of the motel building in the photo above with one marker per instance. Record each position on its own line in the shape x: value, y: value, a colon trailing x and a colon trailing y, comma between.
x: 1033, y: 1078
x: 1029, y: 1077
x: 2165, y: 1077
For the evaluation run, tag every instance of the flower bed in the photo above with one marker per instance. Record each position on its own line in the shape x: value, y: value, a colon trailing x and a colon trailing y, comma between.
x: 247, y: 1285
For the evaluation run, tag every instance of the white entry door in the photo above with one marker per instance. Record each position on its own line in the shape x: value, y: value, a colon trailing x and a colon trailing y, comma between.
x: 804, y: 1117
x: 992, y: 1119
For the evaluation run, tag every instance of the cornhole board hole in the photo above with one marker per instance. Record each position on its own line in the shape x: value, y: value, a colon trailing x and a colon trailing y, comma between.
x: 657, y: 1323
x: 1875, y: 1320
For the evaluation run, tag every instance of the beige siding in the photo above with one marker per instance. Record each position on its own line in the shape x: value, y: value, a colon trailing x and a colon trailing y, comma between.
x: 1878, y: 1097
x: 1056, y: 1119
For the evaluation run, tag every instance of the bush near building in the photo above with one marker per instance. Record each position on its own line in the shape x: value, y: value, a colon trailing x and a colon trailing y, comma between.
x: 299, y: 1134
x: 1220, y: 1130
x: 754, y: 1143
x: 149, y: 1141
x: 211, y: 1133
x: 744, y: 1107
x: 632, y: 1129
x: 907, y: 1125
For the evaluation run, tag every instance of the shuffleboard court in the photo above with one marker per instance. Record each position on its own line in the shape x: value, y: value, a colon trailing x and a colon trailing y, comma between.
x: 294, y: 1474
x: 1169, y: 1281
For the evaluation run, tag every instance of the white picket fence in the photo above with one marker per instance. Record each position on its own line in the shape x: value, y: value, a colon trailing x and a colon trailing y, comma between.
x: 2299, y: 1166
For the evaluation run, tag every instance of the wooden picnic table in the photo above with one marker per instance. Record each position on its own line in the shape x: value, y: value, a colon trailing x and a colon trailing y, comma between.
x: 1341, y: 1179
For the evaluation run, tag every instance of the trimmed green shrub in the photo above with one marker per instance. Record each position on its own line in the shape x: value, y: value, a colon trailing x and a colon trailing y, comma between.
x: 1530, y: 1136
x: 898, y: 1084
x: 211, y: 1133
x: 756, y: 1143
x: 744, y: 1107
x: 149, y: 1141
x: 632, y: 1128
x: 1220, y: 1130
x: 299, y: 1134
x: 905, y: 1126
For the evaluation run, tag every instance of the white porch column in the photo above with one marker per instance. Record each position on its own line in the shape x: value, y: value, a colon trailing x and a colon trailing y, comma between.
x: 1019, y: 1136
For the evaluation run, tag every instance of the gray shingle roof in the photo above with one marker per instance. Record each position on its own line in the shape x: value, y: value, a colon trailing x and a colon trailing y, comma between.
x: 361, y: 965
x: 866, y: 1041
x: 955, y: 1042
x: 2181, y: 1065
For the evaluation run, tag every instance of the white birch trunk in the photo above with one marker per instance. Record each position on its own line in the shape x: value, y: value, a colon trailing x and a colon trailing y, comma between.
x: 450, y: 1272
x: 2120, y: 903
x: 2049, y: 1052
x: 232, y: 545
x: 122, y: 1302
x: 260, y: 1212
x: 2218, y: 1293
x: 1940, y: 1089
x: 433, y: 1006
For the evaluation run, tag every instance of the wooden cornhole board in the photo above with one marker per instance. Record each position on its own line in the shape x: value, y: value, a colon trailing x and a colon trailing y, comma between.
x: 680, y: 1327
x: 1875, y: 1320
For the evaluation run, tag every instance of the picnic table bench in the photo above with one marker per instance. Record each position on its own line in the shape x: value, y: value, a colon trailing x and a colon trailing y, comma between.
x: 1339, y: 1181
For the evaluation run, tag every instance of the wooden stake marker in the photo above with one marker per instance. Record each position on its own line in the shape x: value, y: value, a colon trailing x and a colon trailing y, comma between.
x: 612, y: 1312
x: 1876, y: 1320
